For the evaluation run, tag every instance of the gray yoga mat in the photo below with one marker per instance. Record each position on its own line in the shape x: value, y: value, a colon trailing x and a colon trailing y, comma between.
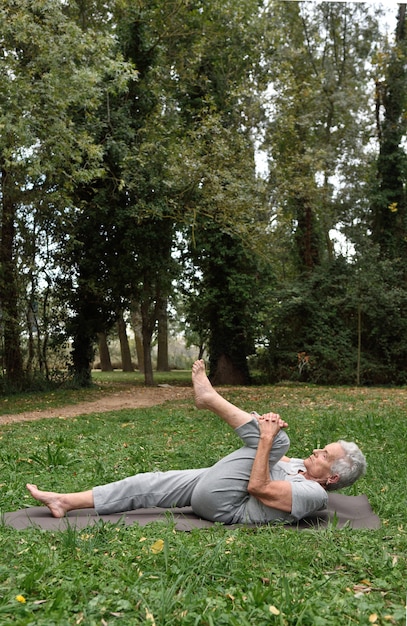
x: 352, y: 511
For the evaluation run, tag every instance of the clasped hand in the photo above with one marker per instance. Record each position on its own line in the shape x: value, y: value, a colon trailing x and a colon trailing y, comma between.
x: 270, y: 424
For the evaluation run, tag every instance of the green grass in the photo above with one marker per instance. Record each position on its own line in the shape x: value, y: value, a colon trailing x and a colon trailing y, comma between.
x: 219, y: 576
x: 104, y: 383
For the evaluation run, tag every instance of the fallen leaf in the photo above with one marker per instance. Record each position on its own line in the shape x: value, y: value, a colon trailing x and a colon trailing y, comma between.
x: 157, y: 546
x: 150, y: 617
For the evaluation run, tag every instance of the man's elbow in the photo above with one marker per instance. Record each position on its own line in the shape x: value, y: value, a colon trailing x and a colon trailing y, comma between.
x: 255, y: 488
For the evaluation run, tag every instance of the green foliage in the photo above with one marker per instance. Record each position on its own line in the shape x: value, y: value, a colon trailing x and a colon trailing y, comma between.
x: 224, y: 296
x: 52, y: 75
x: 218, y: 120
x: 172, y: 116
x: 217, y: 575
x: 127, y: 127
x: 318, y: 119
x: 389, y: 201
x: 315, y: 330
x: 311, y: 337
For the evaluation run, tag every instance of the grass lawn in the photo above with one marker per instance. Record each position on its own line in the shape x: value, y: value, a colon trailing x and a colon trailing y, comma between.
x: 104, y: 383
x: 109, y: 575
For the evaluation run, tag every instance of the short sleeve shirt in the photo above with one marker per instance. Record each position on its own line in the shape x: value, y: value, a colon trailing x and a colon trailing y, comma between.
x: 308, y: 496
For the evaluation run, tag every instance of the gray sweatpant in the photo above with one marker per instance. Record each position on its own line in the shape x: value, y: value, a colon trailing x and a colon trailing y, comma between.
x: 218, y: 493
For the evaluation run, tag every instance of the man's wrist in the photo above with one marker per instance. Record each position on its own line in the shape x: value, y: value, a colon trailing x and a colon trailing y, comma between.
x: 266, y: 441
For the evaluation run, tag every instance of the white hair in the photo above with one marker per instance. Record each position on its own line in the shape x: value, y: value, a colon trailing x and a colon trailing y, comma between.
x: 349, y: 468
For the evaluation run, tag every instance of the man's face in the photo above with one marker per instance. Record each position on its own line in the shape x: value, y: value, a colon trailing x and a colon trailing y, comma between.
x: 319, y: 464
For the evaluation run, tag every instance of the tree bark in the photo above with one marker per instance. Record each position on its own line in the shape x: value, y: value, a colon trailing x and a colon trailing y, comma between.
x: 84, y: 327
x: 127, y: 365
x: 82, y: 352
x: 162, y: 336
x: 228, y: 373
x: 148, y: 322
x: 104, y: 354
x: 148, y: 364
x: 137, y: 325
x: 13, y: 360
x: 359, y: 355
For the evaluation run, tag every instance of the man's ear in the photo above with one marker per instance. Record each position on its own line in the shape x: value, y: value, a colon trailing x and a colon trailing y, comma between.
x: 332, y: 480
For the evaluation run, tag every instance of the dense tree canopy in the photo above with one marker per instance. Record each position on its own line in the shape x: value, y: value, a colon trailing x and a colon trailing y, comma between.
x: 129, y: 141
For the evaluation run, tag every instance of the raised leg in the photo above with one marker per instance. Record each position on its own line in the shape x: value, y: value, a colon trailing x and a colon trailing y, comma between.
x: 206, y: 397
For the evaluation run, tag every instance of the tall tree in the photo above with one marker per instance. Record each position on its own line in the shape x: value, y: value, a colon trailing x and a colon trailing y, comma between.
x: 317, y: 133
x: 13, y: 360
x: 40, y: 149
x: 389, y: 207
x: 176, y: 115
x: 219, y: 111
x: 319, y: 128
x: 125, y: 206
x: 225, y: 295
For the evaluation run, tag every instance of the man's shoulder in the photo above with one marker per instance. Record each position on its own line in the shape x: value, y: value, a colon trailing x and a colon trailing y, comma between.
x: 308, y: 497
x: 292, y: 465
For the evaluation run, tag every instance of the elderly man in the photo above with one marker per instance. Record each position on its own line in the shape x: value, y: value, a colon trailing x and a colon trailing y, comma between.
x: 255, y: 484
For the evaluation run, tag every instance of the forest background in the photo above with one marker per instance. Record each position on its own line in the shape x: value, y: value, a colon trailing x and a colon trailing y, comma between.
x: 131, y: 195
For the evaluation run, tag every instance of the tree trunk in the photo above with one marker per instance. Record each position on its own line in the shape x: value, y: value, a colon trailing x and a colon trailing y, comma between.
x: 13, y: 360
x: 83, y: 327
x: 42, y: 345
x: 127, y: 365
x: 136, y: 323
x: 104, y: 354
x: 162, y: 336
x: 82, y: 356
x: 306, y: 235
x: 83, y: 351
x: 148, y: 322
x: 389, y: 207
x: 148, y: 364
x: 359, y: 344
x: 227, y: 373
x: 30, y: 340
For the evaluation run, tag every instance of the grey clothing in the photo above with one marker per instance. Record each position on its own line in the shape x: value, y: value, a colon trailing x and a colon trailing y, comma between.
x: 218, y: 493
x: 221, y: 493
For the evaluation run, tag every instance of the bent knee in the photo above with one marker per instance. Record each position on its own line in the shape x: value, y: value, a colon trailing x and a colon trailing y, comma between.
x: 282, y: 440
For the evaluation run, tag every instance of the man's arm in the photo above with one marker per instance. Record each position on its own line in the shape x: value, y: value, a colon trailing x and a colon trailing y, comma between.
x: 274, y: 493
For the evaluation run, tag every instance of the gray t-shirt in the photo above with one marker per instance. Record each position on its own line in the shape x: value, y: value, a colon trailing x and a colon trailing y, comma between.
x: 308, y: 496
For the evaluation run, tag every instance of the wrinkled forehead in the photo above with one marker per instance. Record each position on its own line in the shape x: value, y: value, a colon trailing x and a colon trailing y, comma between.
x: 335, y: 450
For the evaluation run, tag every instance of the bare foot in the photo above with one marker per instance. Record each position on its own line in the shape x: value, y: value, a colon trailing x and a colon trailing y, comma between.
x: 203, y: 390
x: 54, y: 501
x: 206, y: 397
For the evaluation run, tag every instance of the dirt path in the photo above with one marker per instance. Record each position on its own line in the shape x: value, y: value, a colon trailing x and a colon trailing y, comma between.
x: 126, y: 399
